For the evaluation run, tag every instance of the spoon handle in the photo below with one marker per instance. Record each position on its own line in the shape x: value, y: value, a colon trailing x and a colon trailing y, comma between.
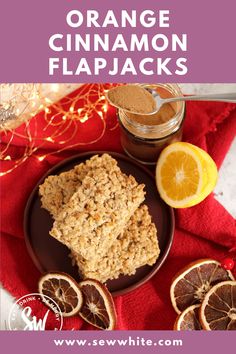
x: 223, y: 97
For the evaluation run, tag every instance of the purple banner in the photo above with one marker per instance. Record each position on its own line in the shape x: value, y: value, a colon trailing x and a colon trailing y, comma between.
x: 124, y: 41
x: 117, y: 342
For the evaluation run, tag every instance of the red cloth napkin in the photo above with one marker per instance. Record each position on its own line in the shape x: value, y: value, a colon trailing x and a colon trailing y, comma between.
x: 206, y: 230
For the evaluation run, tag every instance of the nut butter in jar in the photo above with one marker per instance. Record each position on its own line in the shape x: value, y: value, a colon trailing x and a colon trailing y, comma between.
x: 144, y: 136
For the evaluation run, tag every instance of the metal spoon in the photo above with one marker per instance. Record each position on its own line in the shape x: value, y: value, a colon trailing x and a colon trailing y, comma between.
x: 220, y: 97
x: 223, y: 97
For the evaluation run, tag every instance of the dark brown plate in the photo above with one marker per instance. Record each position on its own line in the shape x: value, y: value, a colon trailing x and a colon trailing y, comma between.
x: 50, y: 255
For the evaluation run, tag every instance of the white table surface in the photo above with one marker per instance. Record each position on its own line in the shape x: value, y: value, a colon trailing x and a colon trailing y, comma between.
x: 225, y: 191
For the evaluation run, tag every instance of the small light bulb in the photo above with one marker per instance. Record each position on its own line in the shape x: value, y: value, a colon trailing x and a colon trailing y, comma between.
x: 48, y: 100
x: 104, y: 107
x: 84, y: 119
x: 41, y: 158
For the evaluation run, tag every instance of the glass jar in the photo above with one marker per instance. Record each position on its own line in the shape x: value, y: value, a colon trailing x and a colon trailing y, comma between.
x: 143, y: 137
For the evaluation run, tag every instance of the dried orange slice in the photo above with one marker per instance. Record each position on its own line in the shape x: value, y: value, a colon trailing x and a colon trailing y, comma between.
x: 64, y: 290
x: 191, y: 284
x: 188, y: 320
x: 218, y: 310
x: 98, y: 308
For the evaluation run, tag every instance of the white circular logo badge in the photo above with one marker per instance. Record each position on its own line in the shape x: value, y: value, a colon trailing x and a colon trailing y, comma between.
x: 24, y: 314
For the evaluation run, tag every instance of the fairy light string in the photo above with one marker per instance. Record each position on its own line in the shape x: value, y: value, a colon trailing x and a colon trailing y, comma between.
x: 57, y: 127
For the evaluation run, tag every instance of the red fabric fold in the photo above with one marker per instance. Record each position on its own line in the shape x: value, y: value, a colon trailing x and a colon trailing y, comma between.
x: 206, y: 230
x: 209, y: 219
